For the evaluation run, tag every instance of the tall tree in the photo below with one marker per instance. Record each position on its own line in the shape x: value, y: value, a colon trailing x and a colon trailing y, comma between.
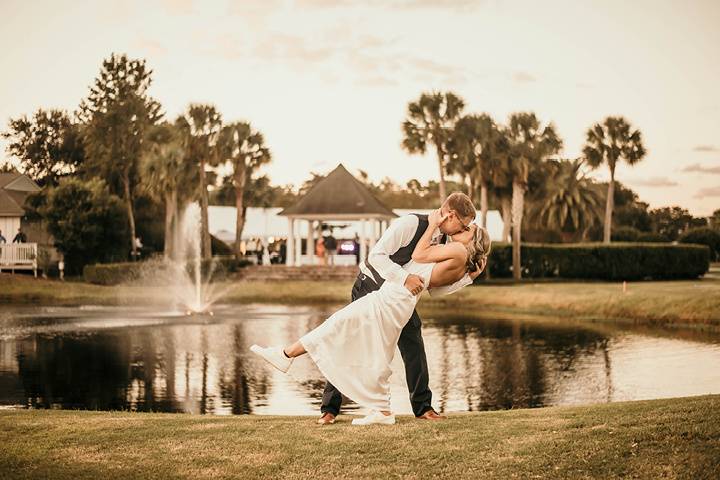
x: 48, y: 145
x: 530, y: 143
x: 166, y: 176
x: 201, y: 125
x: 86, y: 221
x: 476, y: 145
x: 609, y: 142
x: 571, y: 201
x: 117, y: 114
x: 244, y: 149
x: 431, y: 120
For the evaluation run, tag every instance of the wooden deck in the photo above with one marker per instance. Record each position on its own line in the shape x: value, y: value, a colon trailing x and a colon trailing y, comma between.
x: 18, y: 256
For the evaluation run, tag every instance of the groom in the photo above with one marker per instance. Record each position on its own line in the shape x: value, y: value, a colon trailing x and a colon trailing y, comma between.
x: 385, y: 261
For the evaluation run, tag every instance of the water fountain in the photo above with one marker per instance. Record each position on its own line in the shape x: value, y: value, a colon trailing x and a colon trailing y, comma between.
x: 189, y: 278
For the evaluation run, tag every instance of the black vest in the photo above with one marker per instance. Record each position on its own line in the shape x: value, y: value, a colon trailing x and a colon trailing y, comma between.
x: 404, y: 254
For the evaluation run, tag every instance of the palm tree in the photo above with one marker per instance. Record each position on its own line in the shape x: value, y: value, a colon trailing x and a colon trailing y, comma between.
x: 609, y: 142
x: 201, y: 125
x: 476, y: 146
x: 530, y: 143
x: 431, y: 119
x: 570, y: 201
x: 244, y: 148
x: 166, y: 176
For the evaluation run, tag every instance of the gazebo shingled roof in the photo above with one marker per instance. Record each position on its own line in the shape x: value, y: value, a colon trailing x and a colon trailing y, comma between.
x: 339, y: 194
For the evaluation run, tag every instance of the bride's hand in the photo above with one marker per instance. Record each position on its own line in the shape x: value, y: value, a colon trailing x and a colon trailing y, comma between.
x: 436, y: 217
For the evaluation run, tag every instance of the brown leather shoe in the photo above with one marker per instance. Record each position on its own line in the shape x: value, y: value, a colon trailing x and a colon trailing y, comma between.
x: 326, y: 419
x: 431, y: 415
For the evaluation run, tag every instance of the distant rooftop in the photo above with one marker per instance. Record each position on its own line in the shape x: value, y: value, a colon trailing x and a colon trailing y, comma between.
x: 339, y: 194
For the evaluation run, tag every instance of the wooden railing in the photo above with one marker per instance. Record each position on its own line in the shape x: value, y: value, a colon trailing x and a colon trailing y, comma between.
x: 18, y: 256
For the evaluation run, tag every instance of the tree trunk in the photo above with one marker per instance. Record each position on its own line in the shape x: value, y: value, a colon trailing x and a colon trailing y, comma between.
x: 470, y: 182
x: 609, y: 207
x: 239, y: 182
x: 507, y: 218
x: 517, y: 214
x: 170, y: 215
x: 483, y: 204
x: 204, y: 228
x: 131, y: 216
x: 441, y: 163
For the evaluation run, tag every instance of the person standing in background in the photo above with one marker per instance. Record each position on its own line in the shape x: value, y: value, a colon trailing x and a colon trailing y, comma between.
x: 320, y: 250
x: 20, y: 237
x: 330, y: 248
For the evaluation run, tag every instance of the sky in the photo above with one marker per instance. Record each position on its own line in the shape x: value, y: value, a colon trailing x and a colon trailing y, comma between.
x: 329, y: 82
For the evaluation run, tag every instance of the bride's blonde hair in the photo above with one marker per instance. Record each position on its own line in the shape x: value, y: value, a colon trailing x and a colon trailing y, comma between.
x: 478, y: 249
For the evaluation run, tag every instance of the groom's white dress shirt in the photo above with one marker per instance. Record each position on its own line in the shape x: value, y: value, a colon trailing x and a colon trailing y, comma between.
x: 399, y: 234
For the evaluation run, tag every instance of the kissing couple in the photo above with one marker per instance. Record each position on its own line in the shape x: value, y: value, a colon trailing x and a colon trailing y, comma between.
x: 441, y: 252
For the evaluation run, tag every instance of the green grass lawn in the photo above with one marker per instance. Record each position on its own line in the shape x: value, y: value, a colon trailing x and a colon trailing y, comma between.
x: 675, y: 438
x: 683, y: 303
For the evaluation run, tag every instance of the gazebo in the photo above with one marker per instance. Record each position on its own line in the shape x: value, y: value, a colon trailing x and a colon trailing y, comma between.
x: 337, y: 197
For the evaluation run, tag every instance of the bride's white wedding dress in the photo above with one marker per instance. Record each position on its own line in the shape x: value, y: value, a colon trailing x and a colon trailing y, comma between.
x: 354, y: 347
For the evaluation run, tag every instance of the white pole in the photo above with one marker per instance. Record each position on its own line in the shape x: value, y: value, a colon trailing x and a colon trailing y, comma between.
x: 311, y: 242
x: 298, y: 247
x: 363, y: 247
x: 374, y: 227
x: 290, y: 247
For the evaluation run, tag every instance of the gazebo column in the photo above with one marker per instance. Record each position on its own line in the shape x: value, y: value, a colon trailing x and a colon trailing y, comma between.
x: 374, y: 227
x: 311, y: 242
x: 363, y: 246
x: 290, y: 247
x: 298, y: 246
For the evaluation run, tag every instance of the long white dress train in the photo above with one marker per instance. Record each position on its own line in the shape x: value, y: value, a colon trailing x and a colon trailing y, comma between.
x: 354, y: 347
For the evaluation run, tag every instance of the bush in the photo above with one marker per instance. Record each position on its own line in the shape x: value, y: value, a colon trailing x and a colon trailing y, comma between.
x: 597, y: 261
x: 117, y: 273
x: 625, y: 234
x: 704, y: 236
x: 650, y: 237
x: 218, y: 247
x: 113, y: 273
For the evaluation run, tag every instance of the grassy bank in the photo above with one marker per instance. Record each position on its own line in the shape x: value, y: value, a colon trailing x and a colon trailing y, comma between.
x: 683, y: 303
x: 676, y: 438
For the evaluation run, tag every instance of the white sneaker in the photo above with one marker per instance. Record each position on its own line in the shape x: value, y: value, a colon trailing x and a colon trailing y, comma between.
x: 274, y: 356
x: 375, y: 417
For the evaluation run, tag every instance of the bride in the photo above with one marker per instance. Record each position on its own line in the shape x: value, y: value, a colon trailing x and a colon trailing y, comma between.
x: 354, y: 347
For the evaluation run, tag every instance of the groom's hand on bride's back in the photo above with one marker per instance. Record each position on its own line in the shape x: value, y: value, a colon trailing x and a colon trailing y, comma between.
x: 414, y: 284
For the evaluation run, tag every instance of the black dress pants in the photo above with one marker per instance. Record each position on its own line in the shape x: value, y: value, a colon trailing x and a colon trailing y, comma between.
x: 412, y: 350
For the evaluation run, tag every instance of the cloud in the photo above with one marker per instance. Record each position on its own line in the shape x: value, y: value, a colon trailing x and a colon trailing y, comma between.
x: 700, y: 169
x: 291, y: 48
x: 708, y: 192
x: 377, y: 81
x: 453, y: 5
x: 177, y: 7
x: 706, y: 148
x: 655, y: 182
x: 152, y: 48
x: 523, y: 77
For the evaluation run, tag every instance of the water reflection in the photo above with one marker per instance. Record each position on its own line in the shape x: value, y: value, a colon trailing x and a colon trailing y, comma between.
x: 137, y: 359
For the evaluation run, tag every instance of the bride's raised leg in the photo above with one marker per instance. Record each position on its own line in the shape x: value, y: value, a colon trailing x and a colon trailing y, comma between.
x: 295, y: 350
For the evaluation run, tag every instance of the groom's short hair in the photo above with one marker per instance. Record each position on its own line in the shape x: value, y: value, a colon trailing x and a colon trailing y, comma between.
x: 462, y: 204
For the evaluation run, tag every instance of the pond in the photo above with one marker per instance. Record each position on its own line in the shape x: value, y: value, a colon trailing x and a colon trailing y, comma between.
x: 121, y: 358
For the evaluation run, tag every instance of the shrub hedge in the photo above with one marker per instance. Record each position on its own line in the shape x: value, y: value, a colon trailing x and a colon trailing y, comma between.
x: 704, y: 236
x: 617, y: 261
x: 116, y: 273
